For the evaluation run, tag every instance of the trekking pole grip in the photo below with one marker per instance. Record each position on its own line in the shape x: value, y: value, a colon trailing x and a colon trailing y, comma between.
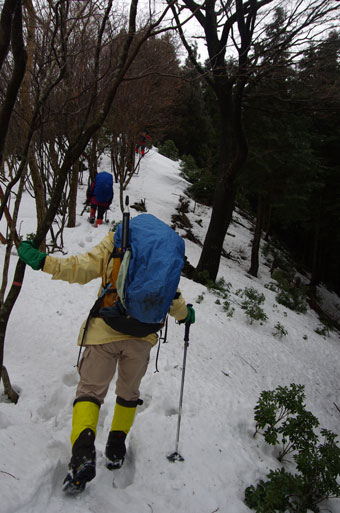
x: 187, y: 329
x: 186, y: 333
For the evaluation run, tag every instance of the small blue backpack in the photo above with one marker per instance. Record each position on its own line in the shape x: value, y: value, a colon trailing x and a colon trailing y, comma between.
x: 103, y: 187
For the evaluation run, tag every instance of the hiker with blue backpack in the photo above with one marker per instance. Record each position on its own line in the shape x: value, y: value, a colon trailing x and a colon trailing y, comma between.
x: 140, y: 267
x: 99, y: 196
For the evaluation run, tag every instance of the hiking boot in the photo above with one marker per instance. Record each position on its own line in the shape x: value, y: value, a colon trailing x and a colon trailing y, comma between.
x: 82, y: 467
x: 115, y: 450
x: 92, y: 220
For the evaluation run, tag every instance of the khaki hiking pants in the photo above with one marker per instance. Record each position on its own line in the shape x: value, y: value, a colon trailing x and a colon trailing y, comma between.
x: 98, y: 366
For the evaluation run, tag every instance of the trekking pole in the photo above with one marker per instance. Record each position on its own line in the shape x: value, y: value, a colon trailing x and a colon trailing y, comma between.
x: 175, y: 456
x: 125, y: 227
x: 85, y: 205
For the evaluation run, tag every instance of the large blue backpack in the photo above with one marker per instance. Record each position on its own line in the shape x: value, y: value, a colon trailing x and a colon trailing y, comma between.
x: 103, y: 187
x: 154, y: 271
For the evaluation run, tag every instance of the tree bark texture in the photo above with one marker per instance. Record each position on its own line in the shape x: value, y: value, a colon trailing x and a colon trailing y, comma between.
x: 233, y: 155
x: 72, y: 200
x: 254, y: 263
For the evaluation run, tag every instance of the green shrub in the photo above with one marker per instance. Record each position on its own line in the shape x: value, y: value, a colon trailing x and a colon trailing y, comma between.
x: 272, y: 495
x: 189, y: 169
x: 200, y: 298
x: 294, y: 300
x: 322, y: 330
x: 326, y: 327
x: 203, y: 187
x: 280, y: 330
x: 291, y: 293
x: 282, y: 415
x: 169, y: 150
x: 278, y: 412
x: 251, y: 304
x: 271, y: 286
x: 229, y: 310
x: 219, y: 288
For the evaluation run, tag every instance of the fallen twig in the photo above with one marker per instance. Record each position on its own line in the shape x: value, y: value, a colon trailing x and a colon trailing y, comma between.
x: 245, y: 361
x: 3, y: 472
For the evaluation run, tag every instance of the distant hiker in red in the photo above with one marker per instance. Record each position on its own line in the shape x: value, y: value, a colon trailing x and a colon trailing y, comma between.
x: 99, y: 195
x: 143, y: 141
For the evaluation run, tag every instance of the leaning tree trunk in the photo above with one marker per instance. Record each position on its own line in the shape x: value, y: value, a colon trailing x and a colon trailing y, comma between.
x: 233, y: 142
x: 7, y: 306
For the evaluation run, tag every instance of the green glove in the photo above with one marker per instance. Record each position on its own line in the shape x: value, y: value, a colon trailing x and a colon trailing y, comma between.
x: 190, y: 318
x: 31, y: 255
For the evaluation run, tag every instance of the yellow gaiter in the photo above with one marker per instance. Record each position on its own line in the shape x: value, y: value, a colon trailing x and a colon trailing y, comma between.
x: 85, y: 416
x: 123, y: 418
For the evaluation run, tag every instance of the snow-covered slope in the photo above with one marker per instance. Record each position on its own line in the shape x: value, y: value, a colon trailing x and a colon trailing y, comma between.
x: 229, y: 363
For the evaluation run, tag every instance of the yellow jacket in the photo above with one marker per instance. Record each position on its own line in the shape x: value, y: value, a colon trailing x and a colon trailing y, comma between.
x: 88, y: 266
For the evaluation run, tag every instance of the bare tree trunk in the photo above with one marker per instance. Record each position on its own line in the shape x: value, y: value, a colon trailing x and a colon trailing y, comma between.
x: 254, y: 264
x: 92, y: 158
x: 12, y: 240
x: 39, y: 189
x: 72, y: 200
x: 7, y: 306
x: 267, y: 227
x: 316, y: 266
x: 233, y: 142
x: 6, y: 27
x: 20, y: 58
x: 9, y: 390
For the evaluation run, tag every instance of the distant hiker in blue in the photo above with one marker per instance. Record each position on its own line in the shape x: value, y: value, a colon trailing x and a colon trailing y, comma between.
x: 99, y: 195
x: 137, y: 292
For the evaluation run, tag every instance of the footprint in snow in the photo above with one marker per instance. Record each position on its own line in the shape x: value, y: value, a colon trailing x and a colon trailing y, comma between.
x: 70, y: 379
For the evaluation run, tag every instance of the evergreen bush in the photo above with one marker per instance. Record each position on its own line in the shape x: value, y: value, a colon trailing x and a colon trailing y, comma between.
x: 294, y: 300
x: 291, y: 293
x: 251, y: 304
x: 282, y: 415
x: 280, y: 330
x: 202, y: 189
x: 202, y: 181
x: 168, y: 149
x: 189, y: 169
